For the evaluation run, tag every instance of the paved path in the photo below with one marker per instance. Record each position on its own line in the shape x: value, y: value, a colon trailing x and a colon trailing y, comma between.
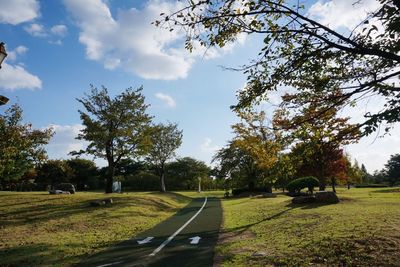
x: 185, y: 239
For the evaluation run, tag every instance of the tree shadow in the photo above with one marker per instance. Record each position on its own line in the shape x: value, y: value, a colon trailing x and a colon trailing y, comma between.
x: 307, y: 206
x: 24, y: 203
x: 289, y: 207
x: 243, y: 228
x: 176, y: 196
x: 391, y: 190
x: 36, y: 255
x: 41, y: 213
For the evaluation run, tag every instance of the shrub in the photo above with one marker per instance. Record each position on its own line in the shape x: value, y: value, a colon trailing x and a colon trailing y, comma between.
x: 238, y: 191
x: 297, y: 185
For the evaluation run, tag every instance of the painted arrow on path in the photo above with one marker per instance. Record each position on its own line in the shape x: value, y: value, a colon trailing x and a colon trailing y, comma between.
x: 195, y: 240
x: 187, y: 238
x: 145, y: 241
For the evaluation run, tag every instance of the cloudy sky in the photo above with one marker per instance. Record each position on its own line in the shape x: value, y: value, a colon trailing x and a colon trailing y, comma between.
x: 56, y: 49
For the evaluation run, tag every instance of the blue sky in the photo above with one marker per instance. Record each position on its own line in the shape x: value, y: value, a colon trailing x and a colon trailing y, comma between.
x: 57, y: 48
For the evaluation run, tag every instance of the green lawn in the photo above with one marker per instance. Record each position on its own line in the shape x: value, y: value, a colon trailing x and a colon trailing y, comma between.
x: 362, y: 230
x: 60, y: 230
x: 38, y: 229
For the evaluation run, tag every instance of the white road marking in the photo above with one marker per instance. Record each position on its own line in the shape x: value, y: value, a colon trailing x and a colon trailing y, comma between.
x: 109, y: 264
x: 195, y: 240
x: 178, y: 231
x: 145, y: 241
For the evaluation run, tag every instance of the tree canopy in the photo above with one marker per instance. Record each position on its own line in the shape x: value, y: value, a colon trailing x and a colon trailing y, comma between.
x: 114, y: 127
x: 317, y: 144
x: 301, y: 53
x: 21, y: 147
x: 164, y: 141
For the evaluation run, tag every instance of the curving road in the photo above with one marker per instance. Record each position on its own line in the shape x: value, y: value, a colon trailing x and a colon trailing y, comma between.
x: 186, y: 239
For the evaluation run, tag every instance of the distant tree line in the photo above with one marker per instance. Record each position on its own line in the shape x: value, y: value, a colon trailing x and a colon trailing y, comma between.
x: 181, y: 174
x: 389, y: 175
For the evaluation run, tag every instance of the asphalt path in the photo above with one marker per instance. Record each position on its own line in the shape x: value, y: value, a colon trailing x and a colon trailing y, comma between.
x: 187, y: 238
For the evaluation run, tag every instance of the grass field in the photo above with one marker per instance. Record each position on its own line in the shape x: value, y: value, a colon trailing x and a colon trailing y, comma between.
x: 38, y: 229
x: 362, y: 230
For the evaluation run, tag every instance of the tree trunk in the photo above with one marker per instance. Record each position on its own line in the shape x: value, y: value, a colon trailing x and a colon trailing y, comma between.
x: 199, y: 185
x: 162, y: 182
x: 162, y: 178
x: 333, y: 184
x: 251, y: 186
x: 321, y: 170
x: 322, y: 181
x: 322, y: 185
x: 109, y: 178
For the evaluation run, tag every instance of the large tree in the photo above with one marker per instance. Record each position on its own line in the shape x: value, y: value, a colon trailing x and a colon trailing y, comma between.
x: 300, y: 52
x: 114, y: 127
x: 316, y: 144
x: 164, y: 140
x: 235, y: 164
x: 255, y: 135
x: 21, y: 147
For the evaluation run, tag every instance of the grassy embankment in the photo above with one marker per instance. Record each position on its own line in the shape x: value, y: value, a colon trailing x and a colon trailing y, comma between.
x: 38, y: 229
x: 362, y: 230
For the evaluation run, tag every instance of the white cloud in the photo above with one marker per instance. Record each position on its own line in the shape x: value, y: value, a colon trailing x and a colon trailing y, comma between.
x: 19, y: 50
x: 168, y: 100
x: 36, y: 30
x: 64, y: 142
x: 342, y: 13
x: 208, y: 147
x: 60, y: 30
x: 214, y: 52
x: 18, y: 11
x: 375, y: 151
x: 129, y: 41
x: 16, y: 77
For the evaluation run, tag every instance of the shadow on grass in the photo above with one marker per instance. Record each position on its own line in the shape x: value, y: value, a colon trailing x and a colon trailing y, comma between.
x: 45, y: 211
x: 307, y: 206
x: 175, y: 196
x: 290, y: 206
x: 391, y: 190
x: 36, y: 255
x: 240, y: 229
x: 25, y: 203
